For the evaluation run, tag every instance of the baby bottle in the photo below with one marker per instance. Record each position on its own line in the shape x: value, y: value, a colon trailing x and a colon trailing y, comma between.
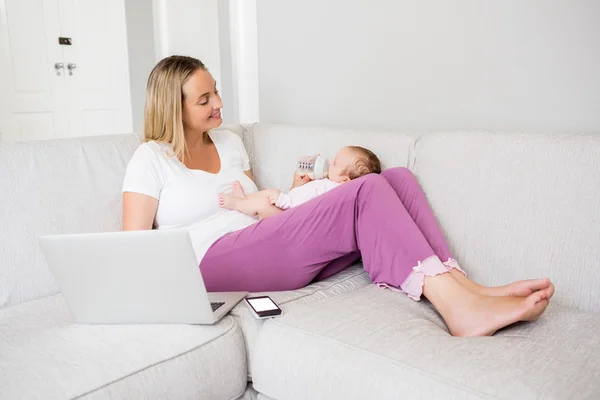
x: 316, y: 167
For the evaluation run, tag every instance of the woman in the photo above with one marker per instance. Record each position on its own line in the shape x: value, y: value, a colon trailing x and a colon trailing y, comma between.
x: 173, y: 180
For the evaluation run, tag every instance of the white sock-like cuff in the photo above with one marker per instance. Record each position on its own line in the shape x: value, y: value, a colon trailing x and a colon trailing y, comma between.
x: 413, y: 285
x: 283, y: 201
x: 452, y: 263
x: 432, y: 266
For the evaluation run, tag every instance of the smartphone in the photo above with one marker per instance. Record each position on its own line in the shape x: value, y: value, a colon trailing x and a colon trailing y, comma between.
x: 263, y: 307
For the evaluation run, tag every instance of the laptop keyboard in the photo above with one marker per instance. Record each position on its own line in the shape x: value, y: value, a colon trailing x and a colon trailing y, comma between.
x: 215, y: 306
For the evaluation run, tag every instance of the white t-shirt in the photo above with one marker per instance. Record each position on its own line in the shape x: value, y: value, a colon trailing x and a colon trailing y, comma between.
x: 188, y: 198
x: 304, y: 193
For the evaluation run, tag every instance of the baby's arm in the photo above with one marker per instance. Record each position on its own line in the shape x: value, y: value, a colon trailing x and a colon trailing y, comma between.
x: 304, y: 193
x: 262, y: 196
x: 250, y: 204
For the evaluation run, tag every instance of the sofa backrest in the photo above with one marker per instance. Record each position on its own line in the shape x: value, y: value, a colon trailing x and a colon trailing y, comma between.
x: 57, y: 187
x: 276, y: 148
x: 54, y: 187
x: 517, y: 206
x: 512, y: 206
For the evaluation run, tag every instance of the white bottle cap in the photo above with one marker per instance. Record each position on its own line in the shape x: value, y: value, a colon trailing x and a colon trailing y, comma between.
x: 321, y: 167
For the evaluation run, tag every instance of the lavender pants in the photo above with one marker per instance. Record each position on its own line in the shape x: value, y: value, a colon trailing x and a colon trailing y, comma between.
x: 385, y: 219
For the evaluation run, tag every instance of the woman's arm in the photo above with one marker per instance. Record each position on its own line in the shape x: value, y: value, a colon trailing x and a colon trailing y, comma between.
x: 138, y: 211
x: 250, y: 175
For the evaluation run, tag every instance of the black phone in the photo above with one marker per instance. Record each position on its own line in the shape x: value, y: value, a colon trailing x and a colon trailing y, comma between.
x: 263, y: 306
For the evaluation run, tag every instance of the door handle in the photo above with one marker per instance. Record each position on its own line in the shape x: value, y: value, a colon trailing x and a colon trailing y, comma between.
x: 71, y: 67
x: 58, y: 66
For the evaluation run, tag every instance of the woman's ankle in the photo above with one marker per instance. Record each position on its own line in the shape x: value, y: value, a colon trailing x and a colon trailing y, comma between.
x: 469, y: 284
x: 414, y: 283
x: 446, y: 293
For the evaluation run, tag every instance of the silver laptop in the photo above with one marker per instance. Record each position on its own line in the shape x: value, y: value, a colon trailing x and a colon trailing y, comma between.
x: 139, y: 277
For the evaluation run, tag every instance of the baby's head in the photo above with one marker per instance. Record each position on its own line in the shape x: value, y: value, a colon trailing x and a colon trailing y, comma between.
x: 352, y: 162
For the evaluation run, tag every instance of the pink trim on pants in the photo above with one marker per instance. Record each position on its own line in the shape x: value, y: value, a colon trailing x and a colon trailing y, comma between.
x: 385, y: 219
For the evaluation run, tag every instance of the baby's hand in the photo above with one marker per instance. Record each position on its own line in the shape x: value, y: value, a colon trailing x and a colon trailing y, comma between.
x: 300, y: 180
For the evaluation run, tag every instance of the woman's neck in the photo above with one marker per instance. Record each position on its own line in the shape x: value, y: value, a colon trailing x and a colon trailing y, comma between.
x: 195, y: 140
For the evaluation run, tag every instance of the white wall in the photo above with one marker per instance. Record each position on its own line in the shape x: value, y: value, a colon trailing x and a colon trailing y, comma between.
x: 197, y: 28
x: 244, y: 60
x: 190, y: 28
x: 200, y: 29
x: 228, y: 91
x: 142, y: 57
x: 521, y: 65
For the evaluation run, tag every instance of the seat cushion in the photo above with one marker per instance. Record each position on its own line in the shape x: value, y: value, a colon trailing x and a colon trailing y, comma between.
x: 517, y: 206
x: 43, y: 354
x: 346, y: 281
x: 377, y: 344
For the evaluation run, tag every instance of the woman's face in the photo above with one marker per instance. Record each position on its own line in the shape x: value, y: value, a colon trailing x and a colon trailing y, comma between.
x: 202, y: 103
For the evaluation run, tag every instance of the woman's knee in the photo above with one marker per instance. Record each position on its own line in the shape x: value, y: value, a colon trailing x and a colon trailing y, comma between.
x: 372, y: 181
x: 376, y: 179
x: 398, y: 174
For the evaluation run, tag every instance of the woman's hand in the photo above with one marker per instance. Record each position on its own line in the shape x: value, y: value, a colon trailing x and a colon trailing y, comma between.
x: 300, y: 180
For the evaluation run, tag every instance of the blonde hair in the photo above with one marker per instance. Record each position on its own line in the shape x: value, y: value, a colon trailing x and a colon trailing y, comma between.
x: 366, y: 163
x: 163, y: 111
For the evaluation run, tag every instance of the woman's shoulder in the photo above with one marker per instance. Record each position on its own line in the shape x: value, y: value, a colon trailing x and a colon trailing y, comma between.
x: 154, y: 146
x: 152, y: 151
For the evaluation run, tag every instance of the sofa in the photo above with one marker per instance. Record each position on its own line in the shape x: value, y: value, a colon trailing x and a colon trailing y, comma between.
x: 512, y: 206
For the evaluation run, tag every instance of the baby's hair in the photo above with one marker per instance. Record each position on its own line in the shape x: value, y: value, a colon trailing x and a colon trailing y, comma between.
x: 366, y: 163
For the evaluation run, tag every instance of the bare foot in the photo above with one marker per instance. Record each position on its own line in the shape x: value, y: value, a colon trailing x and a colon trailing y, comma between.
x: 483, y: 315
x: 518, y: 288
x: 521, y: 288
x: 227, y: 201
x: 237, y: 190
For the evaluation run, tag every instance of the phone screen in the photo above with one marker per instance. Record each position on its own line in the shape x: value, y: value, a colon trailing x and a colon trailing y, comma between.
x: 263, y: 304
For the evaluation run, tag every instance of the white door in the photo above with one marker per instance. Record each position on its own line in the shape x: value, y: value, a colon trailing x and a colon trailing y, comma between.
x: 32, y: 94
x: 97, y: 67
x: 91, y: 94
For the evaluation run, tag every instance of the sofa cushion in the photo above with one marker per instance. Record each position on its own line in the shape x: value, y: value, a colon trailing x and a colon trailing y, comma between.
x: 45, y: 355
x: 378, y: 344
x: 519, y: 206
x: 346, y: 281
x: 276, y: 148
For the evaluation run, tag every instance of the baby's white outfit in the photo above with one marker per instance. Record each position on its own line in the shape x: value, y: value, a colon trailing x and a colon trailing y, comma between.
x: 304, y: 193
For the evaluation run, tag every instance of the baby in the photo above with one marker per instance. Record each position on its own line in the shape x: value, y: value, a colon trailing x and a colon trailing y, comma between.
x: 350, y: 162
